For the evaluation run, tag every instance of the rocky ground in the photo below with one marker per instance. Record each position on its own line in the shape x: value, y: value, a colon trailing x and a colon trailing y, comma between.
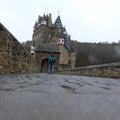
x: 58, y: 97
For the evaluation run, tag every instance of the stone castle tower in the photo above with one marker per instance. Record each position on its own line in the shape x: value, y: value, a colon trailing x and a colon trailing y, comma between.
x: 52, y: 38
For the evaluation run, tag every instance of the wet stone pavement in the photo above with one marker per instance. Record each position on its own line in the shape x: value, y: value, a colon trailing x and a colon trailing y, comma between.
x: 58, y: 97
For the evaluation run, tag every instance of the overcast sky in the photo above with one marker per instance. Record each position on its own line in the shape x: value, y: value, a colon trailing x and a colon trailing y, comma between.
x: 85, y: 20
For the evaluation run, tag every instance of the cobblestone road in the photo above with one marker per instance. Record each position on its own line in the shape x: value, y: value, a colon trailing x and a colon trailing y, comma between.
x: 58, y: 97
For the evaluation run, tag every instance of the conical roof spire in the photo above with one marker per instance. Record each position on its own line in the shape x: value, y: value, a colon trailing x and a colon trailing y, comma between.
x: 39, y: 19
x: 58, y: 23
x: 35, y: 25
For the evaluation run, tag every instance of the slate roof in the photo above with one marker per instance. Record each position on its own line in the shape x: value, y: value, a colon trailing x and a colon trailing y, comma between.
x: 2, y: 28
x: 45, y: 17
x: 68, y: 44
x: 47, y: 47
x: 36, y: 24
x: 39, y: 19
x: 58, y: 23
x: 62, y: 35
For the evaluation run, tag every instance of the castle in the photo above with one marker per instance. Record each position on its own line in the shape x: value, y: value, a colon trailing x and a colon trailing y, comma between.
x: 48, y: 38
x: 52, y: 38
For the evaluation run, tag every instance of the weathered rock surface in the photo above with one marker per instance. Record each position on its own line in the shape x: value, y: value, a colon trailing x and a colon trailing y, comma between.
x: 58, y: 97
x: 13, y: 57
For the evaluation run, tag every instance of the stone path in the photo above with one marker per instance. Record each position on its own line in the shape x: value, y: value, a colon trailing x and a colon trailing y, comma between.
x: 58, y: 97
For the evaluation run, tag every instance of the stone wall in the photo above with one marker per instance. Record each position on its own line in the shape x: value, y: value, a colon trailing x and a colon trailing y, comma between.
x: 63, y: 55
x: 42, y: 35
x: 13, y: 57
x: 73, y: 59
x: 40, y: 57
x: 105, y: 70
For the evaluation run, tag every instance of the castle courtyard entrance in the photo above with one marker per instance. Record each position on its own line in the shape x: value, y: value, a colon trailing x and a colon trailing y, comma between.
x: 44, y: 65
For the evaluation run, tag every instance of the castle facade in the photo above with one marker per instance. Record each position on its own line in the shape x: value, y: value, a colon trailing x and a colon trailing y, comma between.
x: 52, y: 38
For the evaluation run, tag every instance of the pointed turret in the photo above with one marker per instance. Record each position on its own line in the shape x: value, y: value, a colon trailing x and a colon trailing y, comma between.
x: 35, y: 25
x: 58, y: 23
x: 44, y: 17
x: 62, y: 37
x: 68, y: 43
x: 43, y: 21
x: 39, y: 19
x: 62, y: 34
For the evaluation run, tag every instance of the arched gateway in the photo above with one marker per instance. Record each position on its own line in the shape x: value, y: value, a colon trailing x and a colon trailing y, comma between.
x: 44, y: 65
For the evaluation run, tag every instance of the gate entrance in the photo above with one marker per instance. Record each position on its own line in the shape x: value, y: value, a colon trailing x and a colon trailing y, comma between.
x: 44, y: 65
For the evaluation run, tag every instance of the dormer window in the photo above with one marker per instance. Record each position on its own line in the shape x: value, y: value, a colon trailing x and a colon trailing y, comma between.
x: 60, y: 41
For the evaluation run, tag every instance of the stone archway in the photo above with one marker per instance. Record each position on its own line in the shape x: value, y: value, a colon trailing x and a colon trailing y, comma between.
x: 44, y: 65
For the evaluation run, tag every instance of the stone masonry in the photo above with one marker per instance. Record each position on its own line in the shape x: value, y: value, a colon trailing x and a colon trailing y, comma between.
x: 13, y: 57
x: 111, y: 70
x: 47, y: 32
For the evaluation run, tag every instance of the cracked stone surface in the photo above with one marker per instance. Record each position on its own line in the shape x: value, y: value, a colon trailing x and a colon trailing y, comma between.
x: 58, y: 97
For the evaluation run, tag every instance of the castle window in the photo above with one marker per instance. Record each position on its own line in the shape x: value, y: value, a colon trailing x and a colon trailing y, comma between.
x: 61, y: 41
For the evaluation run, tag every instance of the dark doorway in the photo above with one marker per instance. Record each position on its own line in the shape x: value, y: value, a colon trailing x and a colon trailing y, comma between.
x: 44, y: 65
